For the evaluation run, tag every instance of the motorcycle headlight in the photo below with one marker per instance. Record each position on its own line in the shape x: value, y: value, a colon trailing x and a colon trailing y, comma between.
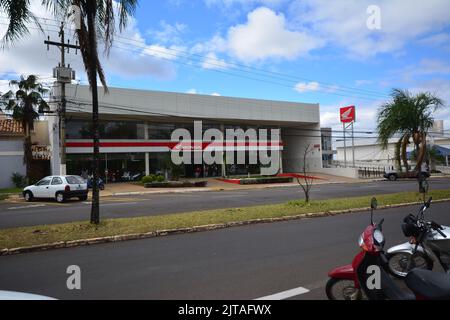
x: 378, y: 237
x: 361, y: 241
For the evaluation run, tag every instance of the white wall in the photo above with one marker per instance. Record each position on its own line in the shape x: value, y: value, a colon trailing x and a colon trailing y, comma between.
x: 367, y: 153
x: 341, y: 172
x: 295, y: 142
x: 192, y: 105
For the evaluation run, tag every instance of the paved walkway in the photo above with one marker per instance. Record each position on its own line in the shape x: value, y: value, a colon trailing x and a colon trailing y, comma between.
x: 214, y: 184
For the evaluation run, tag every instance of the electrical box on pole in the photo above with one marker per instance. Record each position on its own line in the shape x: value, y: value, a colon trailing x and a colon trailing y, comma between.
x: 63, y: 76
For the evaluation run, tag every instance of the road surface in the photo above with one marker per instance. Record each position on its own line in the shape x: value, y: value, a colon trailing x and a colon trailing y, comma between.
x: 238, y: 263
x: 48, y: 212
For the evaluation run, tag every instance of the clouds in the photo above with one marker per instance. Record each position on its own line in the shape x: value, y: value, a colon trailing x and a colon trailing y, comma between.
x: 127, y: 58
x: 169, y: 33
x: 343, y: 23
x: 211, y: 61
x: 307, y: 86
x: 265, y: 35
x: 245, y: 3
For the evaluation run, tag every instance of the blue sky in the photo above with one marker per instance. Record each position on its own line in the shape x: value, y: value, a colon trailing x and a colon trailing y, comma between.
x: 306, y: 51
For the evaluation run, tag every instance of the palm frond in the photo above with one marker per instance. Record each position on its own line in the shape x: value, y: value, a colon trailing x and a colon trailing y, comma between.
x: 19, y: 15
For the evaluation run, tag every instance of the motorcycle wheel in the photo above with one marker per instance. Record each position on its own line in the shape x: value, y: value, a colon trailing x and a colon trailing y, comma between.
x: 343, y: 289
x: 398, y: 263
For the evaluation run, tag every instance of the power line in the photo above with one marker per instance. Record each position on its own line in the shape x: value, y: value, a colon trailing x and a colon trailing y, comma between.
x: 259, y: 72
x: 127, y: 108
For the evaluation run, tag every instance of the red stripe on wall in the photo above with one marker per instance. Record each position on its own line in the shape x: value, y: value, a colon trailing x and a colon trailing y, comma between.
x: 168, y: 144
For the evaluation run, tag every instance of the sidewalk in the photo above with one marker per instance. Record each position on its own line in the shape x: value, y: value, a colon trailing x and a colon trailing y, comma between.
x: 119, y: 189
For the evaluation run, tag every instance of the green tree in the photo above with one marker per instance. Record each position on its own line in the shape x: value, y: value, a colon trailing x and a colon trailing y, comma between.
x: 97, y: 23
x: 24, y: 104
x: 410, y: 117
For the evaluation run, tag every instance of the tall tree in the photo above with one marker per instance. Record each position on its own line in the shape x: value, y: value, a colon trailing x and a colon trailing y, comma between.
x: 97, y: 23
x: 24, y: 104
x: 409, y: 117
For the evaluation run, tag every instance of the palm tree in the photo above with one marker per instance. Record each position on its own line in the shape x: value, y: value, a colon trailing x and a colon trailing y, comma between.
x: 433, y: 157
x: 98, y: 21
x: 24, y: 105
x: 409, y: 117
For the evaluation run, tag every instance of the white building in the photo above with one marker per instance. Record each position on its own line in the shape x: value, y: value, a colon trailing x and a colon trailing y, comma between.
x: 136, y: 128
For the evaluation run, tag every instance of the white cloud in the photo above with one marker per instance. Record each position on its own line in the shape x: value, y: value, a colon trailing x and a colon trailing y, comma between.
x: 436, y: 39
x: 169, y: 33
x: 192, y: 91
x: 167, y: 53
x: 366, y: 113
x: 307, y: 86
x: 230, y: 3
x: 126, y: 58
x: 343, y: 23
x: 266, y: 35
x: 215, y: 94
x: 211, y: 61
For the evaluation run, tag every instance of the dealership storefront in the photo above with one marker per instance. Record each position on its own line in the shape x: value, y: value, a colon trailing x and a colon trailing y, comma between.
x: 136, y: 127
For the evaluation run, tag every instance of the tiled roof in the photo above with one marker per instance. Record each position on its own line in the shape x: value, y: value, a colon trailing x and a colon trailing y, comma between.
x: 10, y: 127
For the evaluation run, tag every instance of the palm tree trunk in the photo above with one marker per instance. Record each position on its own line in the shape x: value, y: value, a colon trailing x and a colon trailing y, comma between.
x: 398, y: 159
x: 422, y: 149
x: 28, y: 157
x: 404, y: 156
x: 95, y: 209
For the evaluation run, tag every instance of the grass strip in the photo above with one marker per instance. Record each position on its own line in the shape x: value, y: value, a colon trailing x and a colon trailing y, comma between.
x: 37, y: 235
x: 10, y: 191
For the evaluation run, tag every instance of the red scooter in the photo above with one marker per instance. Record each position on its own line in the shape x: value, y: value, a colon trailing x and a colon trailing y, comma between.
x: 367, y: 278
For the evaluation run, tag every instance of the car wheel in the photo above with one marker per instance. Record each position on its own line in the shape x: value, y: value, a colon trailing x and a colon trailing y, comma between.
x: 392, y: 177
x: 28, y: 196
x: 60, y: 198
x: 84, y: 198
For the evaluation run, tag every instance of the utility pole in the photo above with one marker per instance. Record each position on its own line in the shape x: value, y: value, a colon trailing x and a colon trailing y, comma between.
x: 63, y: 75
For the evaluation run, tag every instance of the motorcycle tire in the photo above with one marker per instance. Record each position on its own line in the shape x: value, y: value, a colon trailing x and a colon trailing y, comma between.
x: 343, y: 289
x: 397, y: 263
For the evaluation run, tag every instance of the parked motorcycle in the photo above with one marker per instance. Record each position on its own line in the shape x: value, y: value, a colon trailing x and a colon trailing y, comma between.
x: 351, y: 282
x: 426, y: 246
x: 101, y: 184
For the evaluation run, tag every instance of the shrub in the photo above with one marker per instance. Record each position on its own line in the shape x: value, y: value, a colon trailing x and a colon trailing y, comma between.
x: 19, y: 180
x: 160, y: 178
x: 148, y: 179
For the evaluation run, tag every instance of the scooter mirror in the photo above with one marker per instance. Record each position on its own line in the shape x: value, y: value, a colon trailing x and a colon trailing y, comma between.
x: 374, y: 203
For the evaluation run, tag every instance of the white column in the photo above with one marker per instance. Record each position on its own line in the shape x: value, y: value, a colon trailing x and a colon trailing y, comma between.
x: 147, y: 155
x: 224, y: 172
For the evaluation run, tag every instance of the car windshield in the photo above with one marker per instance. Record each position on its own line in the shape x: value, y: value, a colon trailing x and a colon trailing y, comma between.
x: 73, y: 180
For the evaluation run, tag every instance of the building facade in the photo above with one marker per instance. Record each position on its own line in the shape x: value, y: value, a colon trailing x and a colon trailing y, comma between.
x: 12, y: 150
x: 136, y: 128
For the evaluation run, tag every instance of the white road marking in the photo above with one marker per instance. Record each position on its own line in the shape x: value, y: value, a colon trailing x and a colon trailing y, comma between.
x: 113, y: 204
x: 285, y: 294
x: 27, y: 207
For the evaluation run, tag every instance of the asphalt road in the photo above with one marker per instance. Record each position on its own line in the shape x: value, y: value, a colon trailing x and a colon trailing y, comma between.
x: 38, y: 213
x: 238, y: 263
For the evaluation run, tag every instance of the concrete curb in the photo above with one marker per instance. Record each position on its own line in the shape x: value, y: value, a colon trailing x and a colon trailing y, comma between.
x: 161, y: 233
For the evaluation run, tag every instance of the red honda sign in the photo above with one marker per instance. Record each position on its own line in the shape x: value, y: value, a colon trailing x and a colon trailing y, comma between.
x: 348, y: 114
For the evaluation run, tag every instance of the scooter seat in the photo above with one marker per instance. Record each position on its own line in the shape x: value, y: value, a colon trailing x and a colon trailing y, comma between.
x: 429, y: 284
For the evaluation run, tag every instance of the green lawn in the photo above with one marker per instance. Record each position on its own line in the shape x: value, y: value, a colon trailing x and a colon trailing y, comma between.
x: 10, y: 190
x: 5, y: 192
x: 27, y: 236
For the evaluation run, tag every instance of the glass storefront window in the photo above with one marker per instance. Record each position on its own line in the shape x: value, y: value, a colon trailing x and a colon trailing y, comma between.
x: 78, y: 129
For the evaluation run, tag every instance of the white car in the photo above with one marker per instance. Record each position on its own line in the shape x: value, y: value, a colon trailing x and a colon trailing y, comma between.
x: 19, y: 296
x: 59, y: 188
